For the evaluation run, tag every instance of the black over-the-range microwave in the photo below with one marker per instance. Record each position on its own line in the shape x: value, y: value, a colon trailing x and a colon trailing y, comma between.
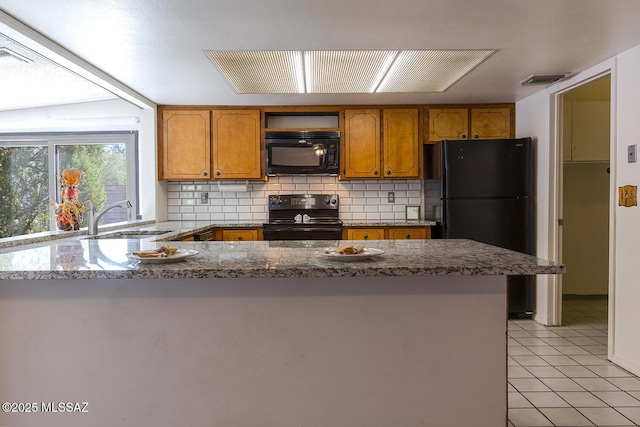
x: 302, y: 152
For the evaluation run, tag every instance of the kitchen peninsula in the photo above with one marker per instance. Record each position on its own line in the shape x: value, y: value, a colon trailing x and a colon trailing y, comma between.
x: 258, y: 333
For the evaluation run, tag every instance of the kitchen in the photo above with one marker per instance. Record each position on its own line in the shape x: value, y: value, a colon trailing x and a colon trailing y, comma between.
x: 532, y: 120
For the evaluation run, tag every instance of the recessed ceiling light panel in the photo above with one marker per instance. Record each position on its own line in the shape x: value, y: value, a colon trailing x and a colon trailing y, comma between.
x: 345, y: 71
x: 430, y: 70
x: 260, y: 71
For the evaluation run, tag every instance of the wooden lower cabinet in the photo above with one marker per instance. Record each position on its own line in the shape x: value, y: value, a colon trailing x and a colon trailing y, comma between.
x: 365, y: 234
x: 409, y: 233
x: 383, y: 233
x: 241, y: 234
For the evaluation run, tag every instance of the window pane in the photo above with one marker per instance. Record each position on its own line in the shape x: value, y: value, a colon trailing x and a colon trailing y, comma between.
x: 24, y: 194
x: 104, y: 175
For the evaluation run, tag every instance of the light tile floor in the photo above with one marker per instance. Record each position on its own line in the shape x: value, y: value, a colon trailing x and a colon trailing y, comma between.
x: 560, y: 376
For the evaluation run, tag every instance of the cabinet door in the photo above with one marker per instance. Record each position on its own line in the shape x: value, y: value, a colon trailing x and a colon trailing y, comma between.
x: 490, y: 123
x: 365, y: 234
x: 448, y: 123
x: 361, y: 147
x: 590, y: 131
x: 185, y: 145
x: 400, y: 143
x: 236, y: 144
x: 243, y: 235
x: 409, y: 233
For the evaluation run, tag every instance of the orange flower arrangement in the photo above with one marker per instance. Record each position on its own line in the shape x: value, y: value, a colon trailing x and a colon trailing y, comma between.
x: 69, y: 212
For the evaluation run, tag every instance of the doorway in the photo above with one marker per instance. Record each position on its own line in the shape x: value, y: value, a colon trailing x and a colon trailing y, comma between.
x: 586, y: 199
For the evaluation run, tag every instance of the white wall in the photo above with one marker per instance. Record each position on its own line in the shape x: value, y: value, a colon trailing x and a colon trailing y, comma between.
x: 626, y: 345
x: 101, y: 115
x: 532, y: 119
x: 533, y: 116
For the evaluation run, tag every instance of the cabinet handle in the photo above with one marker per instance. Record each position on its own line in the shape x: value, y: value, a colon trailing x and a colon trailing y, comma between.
x: 239, y: 237
x: 388, y: 172
x: 375, y: 172
x: 204, y: 173
x: 218, y: 173
x: 476, y: 136
x: 408, y: 236
x: 366, y: 236
x: 464, y: 136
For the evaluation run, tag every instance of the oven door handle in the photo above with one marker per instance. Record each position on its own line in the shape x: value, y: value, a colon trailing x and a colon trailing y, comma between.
x: 323, y: 230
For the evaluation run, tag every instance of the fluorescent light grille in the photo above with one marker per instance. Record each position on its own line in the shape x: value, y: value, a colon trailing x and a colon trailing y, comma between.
x: 430, y: 70
x: 260, y: 71
x: 345, y: 71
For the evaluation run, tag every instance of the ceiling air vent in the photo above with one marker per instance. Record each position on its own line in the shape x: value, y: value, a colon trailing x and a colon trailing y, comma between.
x: 542, y: 79
x: 5, y: 52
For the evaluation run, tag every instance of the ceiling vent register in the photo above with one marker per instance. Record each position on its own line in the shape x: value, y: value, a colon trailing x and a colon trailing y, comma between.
x: 543, y: 79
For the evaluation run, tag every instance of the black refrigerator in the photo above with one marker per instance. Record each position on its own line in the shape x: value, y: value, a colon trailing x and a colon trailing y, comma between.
x: 484, y: 190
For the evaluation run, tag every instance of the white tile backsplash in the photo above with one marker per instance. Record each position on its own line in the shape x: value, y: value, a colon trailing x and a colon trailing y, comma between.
x: 359, y: 200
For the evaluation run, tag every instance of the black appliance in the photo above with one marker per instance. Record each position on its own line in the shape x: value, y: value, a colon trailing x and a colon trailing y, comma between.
x: 302, y: 152
x: 303, y: 217
x: 484, y: 191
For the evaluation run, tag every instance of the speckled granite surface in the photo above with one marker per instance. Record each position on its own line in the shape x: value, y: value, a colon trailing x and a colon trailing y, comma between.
x: 78, y: 258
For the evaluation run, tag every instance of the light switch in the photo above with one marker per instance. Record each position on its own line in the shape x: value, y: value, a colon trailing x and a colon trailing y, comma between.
x: 631, y: 153
x: 628, y: 195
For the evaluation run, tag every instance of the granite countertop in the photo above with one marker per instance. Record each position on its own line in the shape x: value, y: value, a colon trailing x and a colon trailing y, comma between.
x: 82, y: 258
x: 177, y: 229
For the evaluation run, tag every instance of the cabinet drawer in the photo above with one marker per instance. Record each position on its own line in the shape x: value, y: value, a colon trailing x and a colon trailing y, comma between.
x: 240, y: 234
x: 409, y: 233
x: 365, y: 234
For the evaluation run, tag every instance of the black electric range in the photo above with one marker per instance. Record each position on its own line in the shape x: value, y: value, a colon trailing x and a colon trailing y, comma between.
x: 303, y: 217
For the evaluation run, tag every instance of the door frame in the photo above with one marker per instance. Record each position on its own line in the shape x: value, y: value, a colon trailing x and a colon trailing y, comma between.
x: 554, y: 295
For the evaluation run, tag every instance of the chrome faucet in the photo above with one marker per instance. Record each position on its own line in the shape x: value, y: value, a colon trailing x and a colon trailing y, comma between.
x: 94, y: 217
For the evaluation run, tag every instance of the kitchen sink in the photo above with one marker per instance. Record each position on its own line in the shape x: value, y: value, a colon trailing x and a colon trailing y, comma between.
x: 129, y: 234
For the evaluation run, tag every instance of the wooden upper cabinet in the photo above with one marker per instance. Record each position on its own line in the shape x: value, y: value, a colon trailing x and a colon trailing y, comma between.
x: 185, y: 145
x: 361, y: 144
x: 448, y: 123
x: 400, y: 144
x: 490, y: 123
x: 236, y: 144
x: 470, y: 123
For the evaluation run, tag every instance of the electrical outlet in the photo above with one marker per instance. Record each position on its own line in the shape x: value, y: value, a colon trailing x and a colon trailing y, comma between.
x: 204, y: 198
x: 391, y: 197
x: 631, y: 150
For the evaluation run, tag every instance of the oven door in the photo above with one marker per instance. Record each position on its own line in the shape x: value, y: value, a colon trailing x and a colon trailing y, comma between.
x: 281, y: 232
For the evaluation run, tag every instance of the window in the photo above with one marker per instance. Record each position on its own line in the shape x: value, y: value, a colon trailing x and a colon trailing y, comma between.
x: 31, y: 163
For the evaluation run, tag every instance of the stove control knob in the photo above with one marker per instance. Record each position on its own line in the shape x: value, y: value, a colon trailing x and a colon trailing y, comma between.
x: 275, y: 200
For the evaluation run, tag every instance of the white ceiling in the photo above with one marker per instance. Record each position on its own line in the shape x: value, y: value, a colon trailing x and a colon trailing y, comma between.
x: 157, y: 47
